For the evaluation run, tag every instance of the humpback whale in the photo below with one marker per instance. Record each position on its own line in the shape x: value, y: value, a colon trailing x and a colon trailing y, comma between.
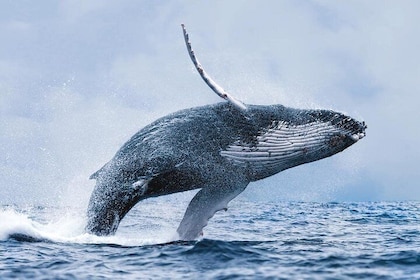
x: 218, y: 149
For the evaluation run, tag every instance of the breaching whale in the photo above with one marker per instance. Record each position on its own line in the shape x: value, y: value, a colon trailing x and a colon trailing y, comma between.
x: 217, y: 148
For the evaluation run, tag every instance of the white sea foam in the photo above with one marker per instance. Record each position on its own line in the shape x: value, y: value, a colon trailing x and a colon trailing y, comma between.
x: 12, y: 222
x: 69, y: 228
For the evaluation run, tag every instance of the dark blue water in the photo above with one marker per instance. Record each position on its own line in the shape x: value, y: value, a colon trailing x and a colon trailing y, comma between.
x: 288, y: 240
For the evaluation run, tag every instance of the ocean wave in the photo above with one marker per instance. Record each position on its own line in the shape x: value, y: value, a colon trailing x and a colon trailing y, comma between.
x: 249, y: 241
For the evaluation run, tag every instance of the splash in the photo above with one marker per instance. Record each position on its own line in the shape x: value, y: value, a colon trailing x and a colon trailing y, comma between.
x: 40, y: 225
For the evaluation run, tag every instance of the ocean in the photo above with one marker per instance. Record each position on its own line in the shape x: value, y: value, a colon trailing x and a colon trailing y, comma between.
x: 252, y: 240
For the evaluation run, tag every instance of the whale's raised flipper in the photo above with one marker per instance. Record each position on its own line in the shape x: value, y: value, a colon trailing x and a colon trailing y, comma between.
x: 204, y: 205
x: 209, y: 81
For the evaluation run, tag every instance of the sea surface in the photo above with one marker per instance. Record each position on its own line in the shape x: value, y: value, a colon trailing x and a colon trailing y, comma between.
x: 252, y: 240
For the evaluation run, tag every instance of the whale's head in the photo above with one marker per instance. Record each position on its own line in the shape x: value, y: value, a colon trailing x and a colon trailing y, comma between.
x: 289, y: 137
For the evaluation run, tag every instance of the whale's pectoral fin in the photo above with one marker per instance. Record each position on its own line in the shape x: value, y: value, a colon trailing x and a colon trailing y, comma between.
x: 208, y: 80
x: 204, y: 205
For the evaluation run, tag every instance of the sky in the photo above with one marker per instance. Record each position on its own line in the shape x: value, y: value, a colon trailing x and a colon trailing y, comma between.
x: 79, y: 78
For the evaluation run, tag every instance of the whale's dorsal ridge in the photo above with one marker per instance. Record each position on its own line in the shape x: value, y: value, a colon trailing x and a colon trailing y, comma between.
x: 209, y: 81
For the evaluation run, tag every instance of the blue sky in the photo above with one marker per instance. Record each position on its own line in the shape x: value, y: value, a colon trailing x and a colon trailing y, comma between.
x: 78, y: 78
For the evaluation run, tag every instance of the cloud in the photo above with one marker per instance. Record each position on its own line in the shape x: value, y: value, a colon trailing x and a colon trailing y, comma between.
x: 76, y: 83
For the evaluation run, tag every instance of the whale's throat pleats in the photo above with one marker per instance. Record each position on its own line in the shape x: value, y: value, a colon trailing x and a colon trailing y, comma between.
x: 281, y: 146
